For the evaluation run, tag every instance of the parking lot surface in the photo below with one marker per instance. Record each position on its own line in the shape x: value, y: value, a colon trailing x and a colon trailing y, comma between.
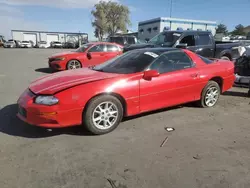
x: 209, y: 147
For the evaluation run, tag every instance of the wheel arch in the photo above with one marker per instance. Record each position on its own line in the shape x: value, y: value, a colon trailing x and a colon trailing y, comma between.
x: 118, y: 96
x: 218, y: 80
x: 226, y: 54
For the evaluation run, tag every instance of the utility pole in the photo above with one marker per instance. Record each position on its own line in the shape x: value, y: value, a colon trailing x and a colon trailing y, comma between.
x: 171, y: 3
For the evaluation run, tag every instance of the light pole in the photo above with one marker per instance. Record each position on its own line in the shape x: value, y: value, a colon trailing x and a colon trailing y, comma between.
x: 171, y: 3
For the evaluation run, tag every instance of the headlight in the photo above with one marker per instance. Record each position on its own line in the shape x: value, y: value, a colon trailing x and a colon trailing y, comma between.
x: 46, y: 100
x: 59, y: 59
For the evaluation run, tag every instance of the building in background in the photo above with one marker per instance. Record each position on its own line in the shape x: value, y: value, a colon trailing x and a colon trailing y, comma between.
x: 149, y: 28
x: 37, y: 36
x: 246, y: 29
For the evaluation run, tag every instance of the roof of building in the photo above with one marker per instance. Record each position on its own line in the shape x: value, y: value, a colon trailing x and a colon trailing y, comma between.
x: 168, y: 19
x: 27, y: 31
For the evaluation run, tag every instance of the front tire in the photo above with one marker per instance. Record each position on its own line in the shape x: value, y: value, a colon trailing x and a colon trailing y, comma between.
x: 103, y: 114
x: 210, y: 95
x: 74, y: 64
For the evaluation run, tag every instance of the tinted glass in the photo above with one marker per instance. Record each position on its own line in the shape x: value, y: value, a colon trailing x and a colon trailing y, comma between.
x: 97, y: 48
x: 130, y: 62
x: 206, y: 60
x: 166, y: 37
x: 204, y: 39
x: 83, y: 48
x: 112, y: 48
x: 130, y: 40
x: 171, y: 61
x: 189, y: 40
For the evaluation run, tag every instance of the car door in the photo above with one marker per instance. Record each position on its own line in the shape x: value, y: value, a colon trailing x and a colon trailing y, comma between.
x: 96, y: 55
x: 112, y: 51
x: 177, y: 83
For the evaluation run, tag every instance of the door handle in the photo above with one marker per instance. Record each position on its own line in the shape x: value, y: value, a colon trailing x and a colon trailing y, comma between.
x: 195, y: 75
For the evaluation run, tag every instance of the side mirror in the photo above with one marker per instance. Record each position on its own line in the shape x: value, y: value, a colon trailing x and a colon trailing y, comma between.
x: 149, y: 74
x: 181, y: 45
x: 89, y: 55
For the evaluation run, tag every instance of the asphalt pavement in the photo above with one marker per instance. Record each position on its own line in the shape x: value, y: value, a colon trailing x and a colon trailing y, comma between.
x: 209, y: 148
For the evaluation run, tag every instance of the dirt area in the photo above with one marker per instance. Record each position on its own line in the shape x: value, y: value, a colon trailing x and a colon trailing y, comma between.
x: 208, y: 149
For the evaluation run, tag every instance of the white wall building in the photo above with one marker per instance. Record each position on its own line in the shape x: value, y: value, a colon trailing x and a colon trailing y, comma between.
x: 37, y: 36
x: 149, y: 28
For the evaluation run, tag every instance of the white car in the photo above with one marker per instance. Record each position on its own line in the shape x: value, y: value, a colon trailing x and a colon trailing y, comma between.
x: 26, y: 44
x: 43, y: 44
x: 9, y: 44
x: 56, y: 44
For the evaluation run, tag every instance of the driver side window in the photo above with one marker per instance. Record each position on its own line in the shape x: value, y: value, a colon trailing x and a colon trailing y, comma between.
x: 171, y: 61
x: 189, y: 40
x: 97, y: 48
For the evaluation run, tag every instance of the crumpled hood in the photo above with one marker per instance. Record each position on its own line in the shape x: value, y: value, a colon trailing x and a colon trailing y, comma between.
x: 62, y: 54
x: 59, y: 81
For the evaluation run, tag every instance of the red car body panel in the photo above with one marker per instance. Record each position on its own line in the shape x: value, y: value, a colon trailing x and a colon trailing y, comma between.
x: 76, y: 88
x: 96, y: 57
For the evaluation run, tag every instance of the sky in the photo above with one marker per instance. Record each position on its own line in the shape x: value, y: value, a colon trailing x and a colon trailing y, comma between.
x: 75, y: 15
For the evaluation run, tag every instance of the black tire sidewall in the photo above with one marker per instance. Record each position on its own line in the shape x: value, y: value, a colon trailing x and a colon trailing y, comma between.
x: 87, y: 115
x: 204, y: 92
x: 67, y: 66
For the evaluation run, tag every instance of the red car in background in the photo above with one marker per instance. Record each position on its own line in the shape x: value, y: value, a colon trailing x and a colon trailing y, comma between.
x: 135, y: 82
x: 90, y: 54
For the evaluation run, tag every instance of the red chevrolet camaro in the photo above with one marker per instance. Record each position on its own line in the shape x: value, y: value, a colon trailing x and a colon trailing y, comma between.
x: 87, y: 55
x: 135, y: 82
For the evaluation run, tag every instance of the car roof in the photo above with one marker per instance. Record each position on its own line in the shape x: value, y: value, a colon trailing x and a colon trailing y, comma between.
x: 187, y: 31
x: 112, y: 43
x: 159, y: 50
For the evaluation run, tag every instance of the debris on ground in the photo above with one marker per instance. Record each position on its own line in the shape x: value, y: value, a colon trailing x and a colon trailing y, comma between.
x: 164, y: 142
x: 197, y: 157
x: 112, y: 183
x: 169, y: 129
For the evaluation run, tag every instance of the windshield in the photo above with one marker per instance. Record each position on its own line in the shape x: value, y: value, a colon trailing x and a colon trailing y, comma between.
x: 166, y: 37
x: 10, y: 40
x: 129, y: 62
x: 25, y: 41
x: 83, y: 48
x: 57, y: 43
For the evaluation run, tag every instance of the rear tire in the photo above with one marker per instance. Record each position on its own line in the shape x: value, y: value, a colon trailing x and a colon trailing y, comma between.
x: 210, y: 95
x: 225, y: 58
x: 103, y: 114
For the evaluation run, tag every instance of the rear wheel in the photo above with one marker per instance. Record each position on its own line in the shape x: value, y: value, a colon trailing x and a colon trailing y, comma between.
x: 225, y: 58
x: 210, y: 95
x: 103, y: 114
x: 74, y: 64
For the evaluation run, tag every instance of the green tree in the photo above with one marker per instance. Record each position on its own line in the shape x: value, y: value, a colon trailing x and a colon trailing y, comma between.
x: 109, y: 18
x: 239, y: 30
x: 221, y: 28
x: 100, y: 22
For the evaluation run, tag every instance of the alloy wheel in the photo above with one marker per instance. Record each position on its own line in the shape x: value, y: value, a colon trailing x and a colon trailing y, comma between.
x: 212, y: 96
x: 74, y: 64
x: 105, y: 115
